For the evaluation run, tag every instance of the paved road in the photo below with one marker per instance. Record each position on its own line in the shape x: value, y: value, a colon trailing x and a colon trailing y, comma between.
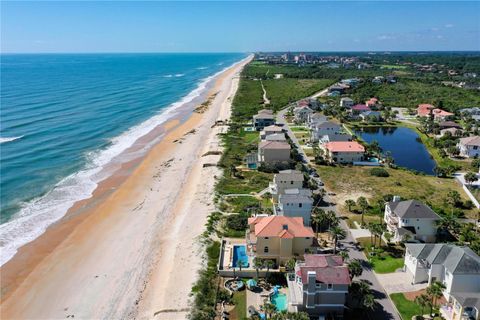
x: 386, y: 310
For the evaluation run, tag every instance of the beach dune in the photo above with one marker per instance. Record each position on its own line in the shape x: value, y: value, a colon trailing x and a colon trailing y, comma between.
x: 132, y: 251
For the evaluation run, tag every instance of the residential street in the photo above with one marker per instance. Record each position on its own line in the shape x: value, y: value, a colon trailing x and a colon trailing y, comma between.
x: 386, y: 309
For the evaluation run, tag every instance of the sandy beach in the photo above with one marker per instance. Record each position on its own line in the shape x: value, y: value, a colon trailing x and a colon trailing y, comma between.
x: 132, y: 250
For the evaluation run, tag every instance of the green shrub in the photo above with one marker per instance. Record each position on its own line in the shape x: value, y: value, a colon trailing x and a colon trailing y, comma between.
x: 236, y: 222
x: 379, y: 172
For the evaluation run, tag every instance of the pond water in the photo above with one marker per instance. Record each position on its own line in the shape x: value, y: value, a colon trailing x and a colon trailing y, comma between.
x: 404, y: 144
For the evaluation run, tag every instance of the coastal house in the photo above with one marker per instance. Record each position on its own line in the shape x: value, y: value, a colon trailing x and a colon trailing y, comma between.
x: 296, y: 202
x: 335, y: 137
x: 315, y: 119
x: 469, y: 146
x: 346, y: 102
x: 452, y: 131
x: 263, y: 118
x: 278, y: 238
x: 344, y: 151
x: 372, y: 102
x: 359, y: 108
x: 449, y: 124
x: 427, y: 110
x: 410, y: 220
x: 370, y: 116
x: 276, y: 137
x: 285, y: 179
x: 272, y: 152
x: 319, y: 286
x: 324, y: 128
x: 273, y: 129
x: 457, y: 267
x: 301, y: 113
x: 462, y: 306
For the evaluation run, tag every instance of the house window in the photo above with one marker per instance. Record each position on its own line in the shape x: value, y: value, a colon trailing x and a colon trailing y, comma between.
x: 329, y: 286
x: 265, y: 250
x: 291, y: 182
x: 266, y: 238
x: 299, y: 205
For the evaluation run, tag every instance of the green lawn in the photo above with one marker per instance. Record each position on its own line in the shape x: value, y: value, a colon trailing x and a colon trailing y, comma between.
x: 407, y: 308
x: 240, y: 301
x: 343, y: 180
x: 387, y: 265
x: 388, y: 261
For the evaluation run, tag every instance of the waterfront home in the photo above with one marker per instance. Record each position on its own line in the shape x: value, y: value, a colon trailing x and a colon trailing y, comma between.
x: 286, y: 179
x: 274, y: 129
x: 359, y: 108
x: 452, y: 131
x: 372, y: 102
x: 457, y: 267
x: 278, y: 238
x: 263, y: 118
x: 370, y: 116
x: 296, y: 202
x: 324, y: 128
x: 335, y: 137
x: 272, y: 152
x: 346, y: 102
x: 314, y: 119
x: 469, y: 146
x: 301, y: 113
x: 426, y: 110
x: 276, y: 137
x: 319, y: 286
x: 344, y: 151
x: 449, y: 124
x: 410, y: 220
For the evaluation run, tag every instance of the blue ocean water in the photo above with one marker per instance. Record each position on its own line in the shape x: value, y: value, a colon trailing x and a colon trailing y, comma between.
x: 64, y: 116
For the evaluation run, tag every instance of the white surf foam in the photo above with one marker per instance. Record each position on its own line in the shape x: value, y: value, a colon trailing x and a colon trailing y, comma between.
x: 35, y: 216
x: 9, y: 139
x: 179, y: 75
x: 168, y: 76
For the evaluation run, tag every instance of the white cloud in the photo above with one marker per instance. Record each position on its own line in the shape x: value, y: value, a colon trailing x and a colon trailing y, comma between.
x: 449, y: 25
x: 385, y: 37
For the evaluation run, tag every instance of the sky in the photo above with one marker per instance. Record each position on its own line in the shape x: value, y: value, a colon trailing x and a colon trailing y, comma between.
x: 229, y: 26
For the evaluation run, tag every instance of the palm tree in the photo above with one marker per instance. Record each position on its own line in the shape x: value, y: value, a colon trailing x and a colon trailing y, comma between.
x: 332, y: 219
x: 290, y: 265
x: 355, y: 268
x: 448, y: 223
x: 344, y: 255
x: 368, y: 302
x: 349, y: 203
x: 363, y: 204
x: 337, y: 233
x: 317, y: 219
x: 435, y: 291
x: 269, y: 264
x: 423, y: 300
x: 269, y: 309
x: 359, y: 289
x: 470, y: 177
x: 257, y: 264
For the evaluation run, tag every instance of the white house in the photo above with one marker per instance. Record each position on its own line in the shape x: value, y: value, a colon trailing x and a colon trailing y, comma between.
x: 301, y: 113
x: 412, y: 220
x: 286, y: 179
x: 343, y: 151
x: 469, y: 146
x: 324, y: 128
x: 270, y: 130
x: 346, y: 102
x: 295, y: 203
x: 314, y: 119
x: 458, y: 268
x: 335, y: 137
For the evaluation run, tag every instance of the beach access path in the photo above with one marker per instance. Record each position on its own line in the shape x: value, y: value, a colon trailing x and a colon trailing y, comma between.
x: 134, y: 253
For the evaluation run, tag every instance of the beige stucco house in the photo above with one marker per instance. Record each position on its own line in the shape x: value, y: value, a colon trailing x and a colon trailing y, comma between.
x: 271, y: 152
x: 278, y: 238
x: 344, y: 151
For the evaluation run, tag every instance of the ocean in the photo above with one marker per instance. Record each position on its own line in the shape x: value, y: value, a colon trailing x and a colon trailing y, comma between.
x: 64, y: 117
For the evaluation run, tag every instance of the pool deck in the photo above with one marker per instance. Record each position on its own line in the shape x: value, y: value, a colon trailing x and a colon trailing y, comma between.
x: 257, y: 299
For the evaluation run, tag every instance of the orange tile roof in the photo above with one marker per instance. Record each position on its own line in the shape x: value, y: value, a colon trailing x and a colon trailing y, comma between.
x: 344, y: 146
x: 273, y: 226
x: 424, y: 110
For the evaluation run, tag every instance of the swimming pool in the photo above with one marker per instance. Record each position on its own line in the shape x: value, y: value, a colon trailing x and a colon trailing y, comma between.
x: 240, y: 256
x: 280, y: 301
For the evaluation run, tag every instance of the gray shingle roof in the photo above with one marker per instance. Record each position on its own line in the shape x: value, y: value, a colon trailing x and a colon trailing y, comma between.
x: 296, y: 196
x: 457, y: 260
x: 291, y: 175
x: 468, y: 299
x: 412, y: 209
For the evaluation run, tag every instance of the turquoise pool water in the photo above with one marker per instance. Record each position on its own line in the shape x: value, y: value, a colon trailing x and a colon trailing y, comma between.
x: 240, y: 256
x: 280, y: 301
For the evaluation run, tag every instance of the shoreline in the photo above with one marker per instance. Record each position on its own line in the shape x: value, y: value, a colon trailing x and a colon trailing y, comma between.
x: 73, y: 262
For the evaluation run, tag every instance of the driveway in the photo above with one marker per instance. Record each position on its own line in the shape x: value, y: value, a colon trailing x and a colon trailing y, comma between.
x: 399, y: 281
